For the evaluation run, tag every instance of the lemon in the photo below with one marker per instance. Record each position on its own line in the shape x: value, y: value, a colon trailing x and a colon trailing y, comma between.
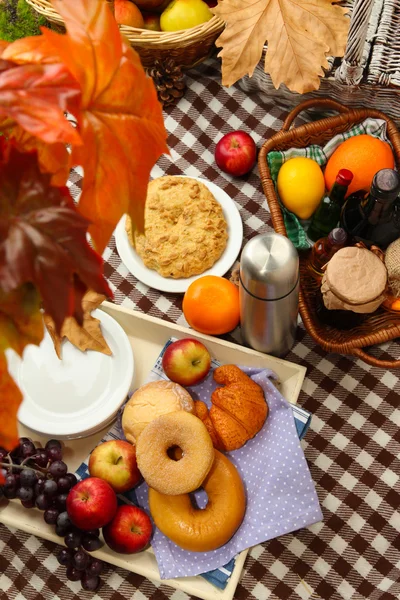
x: 301, y: 186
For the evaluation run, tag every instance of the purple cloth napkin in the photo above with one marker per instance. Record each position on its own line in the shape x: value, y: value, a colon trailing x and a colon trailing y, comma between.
x: 281, y: 496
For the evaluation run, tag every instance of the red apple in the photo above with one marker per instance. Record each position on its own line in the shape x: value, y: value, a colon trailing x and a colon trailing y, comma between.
x: 91, y: 503
x: 150, y: 5
x: 151, y: 21
x: 115, y: 462
x: 127, y: 13
x: 186, y: 361
x: 236, y: 153
x: 129, y: 531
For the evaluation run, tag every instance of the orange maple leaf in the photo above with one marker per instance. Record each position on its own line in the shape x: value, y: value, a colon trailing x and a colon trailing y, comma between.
x: 120, y: 121
x: 36, y: 96
x: 21, y: 323
x: 11, y: 398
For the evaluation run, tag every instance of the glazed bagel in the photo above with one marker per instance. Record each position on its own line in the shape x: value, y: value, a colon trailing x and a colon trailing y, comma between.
x: 201, y: 530
x: 159, y: 469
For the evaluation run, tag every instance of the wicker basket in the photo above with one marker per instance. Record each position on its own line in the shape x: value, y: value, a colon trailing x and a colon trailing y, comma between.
x: 379, y: 327
x: 187, y: 48
x: 368, y: 75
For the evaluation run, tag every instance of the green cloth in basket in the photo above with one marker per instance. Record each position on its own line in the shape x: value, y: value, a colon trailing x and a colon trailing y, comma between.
x: 296, y: 228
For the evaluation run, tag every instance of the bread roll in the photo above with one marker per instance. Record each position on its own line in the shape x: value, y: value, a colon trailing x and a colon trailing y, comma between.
x: 151, y: 401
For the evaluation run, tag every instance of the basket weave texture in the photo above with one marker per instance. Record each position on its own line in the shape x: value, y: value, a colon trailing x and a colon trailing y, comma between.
x: 369, y: 73
x: 379, y: 327
x: 187, y: 48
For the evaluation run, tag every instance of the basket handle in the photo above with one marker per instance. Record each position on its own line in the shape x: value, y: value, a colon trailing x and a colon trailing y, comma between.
x: 313, y: 103
x: 375, y: 362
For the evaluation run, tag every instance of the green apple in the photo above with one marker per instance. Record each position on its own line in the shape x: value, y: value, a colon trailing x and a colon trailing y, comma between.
x: 184, y: 14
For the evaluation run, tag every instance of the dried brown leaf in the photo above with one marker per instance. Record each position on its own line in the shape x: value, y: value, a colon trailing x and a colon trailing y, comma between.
x: 87, y: 336
x: 300, y: 35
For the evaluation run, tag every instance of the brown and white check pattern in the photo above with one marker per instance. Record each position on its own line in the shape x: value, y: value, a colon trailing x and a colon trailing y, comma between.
x: 352, y: 448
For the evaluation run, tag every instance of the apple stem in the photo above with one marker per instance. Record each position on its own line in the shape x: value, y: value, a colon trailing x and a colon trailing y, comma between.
x: 196, y: 362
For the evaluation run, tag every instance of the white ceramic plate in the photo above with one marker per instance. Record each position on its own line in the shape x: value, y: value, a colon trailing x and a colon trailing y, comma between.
x: 78, y: 395
x: 135, y: 265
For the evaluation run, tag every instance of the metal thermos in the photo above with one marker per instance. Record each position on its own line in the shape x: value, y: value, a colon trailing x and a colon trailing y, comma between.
x: 269, y: 293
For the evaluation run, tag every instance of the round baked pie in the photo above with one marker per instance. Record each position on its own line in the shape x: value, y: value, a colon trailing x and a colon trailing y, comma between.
x: 185, y: 229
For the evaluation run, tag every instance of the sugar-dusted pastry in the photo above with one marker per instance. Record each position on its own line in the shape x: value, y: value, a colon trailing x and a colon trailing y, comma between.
x: 238, y: 409
x: 170, y: 474
x: 149, y: 402
x: 185, y: 228
x: 202, y: 530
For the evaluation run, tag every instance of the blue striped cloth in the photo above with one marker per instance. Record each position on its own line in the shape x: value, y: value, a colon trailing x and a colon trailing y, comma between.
x: 218, y: 577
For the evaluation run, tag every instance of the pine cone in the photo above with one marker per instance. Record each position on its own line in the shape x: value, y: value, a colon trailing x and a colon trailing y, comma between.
x: 169, y: 81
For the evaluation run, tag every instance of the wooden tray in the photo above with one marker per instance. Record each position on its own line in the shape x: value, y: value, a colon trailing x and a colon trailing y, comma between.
x: 148, y: 336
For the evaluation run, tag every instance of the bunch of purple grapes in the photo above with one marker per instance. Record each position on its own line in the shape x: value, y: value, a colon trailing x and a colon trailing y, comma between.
x: 39, y: 478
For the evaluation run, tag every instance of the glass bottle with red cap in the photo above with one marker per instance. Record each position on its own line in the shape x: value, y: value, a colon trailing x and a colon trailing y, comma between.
x: 327, y: 215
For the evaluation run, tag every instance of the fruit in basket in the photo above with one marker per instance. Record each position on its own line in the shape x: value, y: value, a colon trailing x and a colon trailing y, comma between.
x: 91, y: 503
x: 186, y: 361
x: 235, y: 153
x: 301, y: 186
x: 211, y: 305
x: 115, y: 462
x: 363, y: 155
x: 127, y: 13
x: 184, y: 14
x: 129, y: 531
x: 151, y: 21
x: 152, y: 5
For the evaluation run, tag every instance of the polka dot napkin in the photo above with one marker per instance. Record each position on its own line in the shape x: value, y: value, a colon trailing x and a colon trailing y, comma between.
x: 281, y: 496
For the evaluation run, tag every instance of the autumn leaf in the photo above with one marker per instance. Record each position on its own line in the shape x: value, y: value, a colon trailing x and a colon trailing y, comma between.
x: 120, y: 120
x: 36, y: 97
x: 11, y: 398
x: 21, y: 323
x: 52, y: 158
x: 31, y: 49
x: 43, y: 239
x: 88, y: 335
x: 300, y: 35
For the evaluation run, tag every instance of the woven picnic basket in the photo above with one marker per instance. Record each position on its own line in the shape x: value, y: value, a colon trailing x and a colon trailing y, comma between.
x: 369, y: 73
x: 379, y: 327
x: 186, y: 48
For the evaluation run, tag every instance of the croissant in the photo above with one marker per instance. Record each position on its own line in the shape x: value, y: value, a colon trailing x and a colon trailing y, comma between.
x: 238, y: 410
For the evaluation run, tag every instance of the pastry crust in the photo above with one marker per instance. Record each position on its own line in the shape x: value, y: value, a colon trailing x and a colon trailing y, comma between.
x: 203, y: 530
x: 149, y: 402
x: 185, y: 229
x: 161, y: 471
x: 238, y: 410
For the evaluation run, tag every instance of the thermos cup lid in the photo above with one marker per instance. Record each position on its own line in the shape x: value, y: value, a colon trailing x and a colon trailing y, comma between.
x: 269, y: 266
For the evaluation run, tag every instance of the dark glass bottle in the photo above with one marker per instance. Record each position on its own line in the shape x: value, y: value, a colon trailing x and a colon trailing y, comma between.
x: 324, y: 249
x: 375, y: 219
x: 327, y: 215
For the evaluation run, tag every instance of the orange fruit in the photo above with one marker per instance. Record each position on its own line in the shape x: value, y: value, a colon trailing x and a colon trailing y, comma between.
x: 211, y: 305
x: 364, y: 155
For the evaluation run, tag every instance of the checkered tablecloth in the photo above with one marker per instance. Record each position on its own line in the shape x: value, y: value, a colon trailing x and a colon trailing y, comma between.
x: 352, y: 447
